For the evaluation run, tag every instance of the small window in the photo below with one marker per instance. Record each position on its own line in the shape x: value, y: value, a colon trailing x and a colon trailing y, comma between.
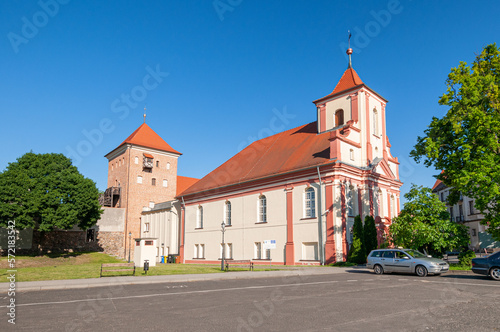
x: 90, y: 235
x: 199, y: 251
x: 165, y: 183
x: 473, y: 232
x: 339, y: 118
x: 157, y: 163
x: 137, y: 243
x: 146, y: 227
x: 471, y: 207
x: 136, y: 160
x: 351, y: 154
x: 229, y: 250
x: 153, y: 181
x: 168, y: 165
x: 148, y: 243
x: 262, y: 209
x: 139, y: 179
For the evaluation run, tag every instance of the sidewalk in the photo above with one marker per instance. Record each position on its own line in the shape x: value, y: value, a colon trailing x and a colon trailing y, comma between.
x: 131, y: 280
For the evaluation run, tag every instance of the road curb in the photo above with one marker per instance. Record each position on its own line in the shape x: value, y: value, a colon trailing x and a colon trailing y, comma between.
x: 129, y: 280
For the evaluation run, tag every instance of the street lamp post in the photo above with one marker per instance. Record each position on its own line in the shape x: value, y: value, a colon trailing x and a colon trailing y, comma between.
x: 129, y: 244
x: 223, y: 226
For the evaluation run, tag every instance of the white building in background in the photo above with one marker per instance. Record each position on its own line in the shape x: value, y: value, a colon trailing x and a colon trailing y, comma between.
x: 465, y: 212
x: 301, y: 188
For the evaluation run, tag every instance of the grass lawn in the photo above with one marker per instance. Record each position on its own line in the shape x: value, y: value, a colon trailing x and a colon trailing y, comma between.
x: 88, y: 265
x: 458, y: 267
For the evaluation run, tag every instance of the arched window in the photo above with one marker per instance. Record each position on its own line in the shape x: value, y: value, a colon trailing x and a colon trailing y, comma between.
x: 375, y: 122
x: 262, y: 209
x: 309, y: 203
x: 227, y: 213
x: 168, y: 165
x: 339, y: 118
x: 136, y: 160
x: 199, y: 217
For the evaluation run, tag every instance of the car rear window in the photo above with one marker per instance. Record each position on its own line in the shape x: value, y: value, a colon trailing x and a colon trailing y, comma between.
x: 376, y: 254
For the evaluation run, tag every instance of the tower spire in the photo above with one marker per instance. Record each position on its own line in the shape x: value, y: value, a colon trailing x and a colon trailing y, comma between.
x: 144, y: 114
x: 349, y: 50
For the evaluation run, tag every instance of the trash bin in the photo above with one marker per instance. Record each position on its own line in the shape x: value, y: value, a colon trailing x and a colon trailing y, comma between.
x: 162, y: 259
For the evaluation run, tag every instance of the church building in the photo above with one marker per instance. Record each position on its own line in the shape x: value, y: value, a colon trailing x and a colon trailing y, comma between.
x: 291, y: 198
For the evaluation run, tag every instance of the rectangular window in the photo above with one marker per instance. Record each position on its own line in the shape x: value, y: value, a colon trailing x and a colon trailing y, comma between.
x: 139, y: 179
x: 229, y: 250
x: 202, y: 251
x: 199, y: 217
x: 165, y: 183
x: 471, y: 207
x: 257, y: 250
x: 157, y: 163
x: 148, y: 243
x: 153, y: 181
x: 310, y: 203
x: 268, y: 253
x: 146, y: 227
x: 90, y: 235
x: 262, y: 209
x: 228, y: 213
x: 473, y: 232
x: 195, y: 253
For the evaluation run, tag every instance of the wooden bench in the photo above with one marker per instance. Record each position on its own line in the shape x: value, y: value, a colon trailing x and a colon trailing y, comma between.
x: 245, y: 263
x: 117, y: 267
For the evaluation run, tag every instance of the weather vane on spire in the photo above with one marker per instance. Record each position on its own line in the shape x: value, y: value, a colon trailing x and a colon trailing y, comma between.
x: 349, y: 50
x: 144, y: 114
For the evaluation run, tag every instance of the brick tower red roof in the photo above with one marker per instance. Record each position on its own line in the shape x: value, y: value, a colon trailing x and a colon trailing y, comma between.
x: 147, y: 137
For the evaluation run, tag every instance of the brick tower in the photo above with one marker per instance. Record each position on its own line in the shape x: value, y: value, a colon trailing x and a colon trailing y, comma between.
x: 142, y: 171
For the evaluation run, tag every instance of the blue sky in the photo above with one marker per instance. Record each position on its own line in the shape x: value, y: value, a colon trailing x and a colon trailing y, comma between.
x: 222, y: 71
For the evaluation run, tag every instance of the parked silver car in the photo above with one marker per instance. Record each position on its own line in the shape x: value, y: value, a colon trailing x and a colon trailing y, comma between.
x: 405, y: 261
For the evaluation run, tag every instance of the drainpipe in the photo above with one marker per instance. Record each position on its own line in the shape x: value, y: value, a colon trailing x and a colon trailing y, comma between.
x: 320, y: 237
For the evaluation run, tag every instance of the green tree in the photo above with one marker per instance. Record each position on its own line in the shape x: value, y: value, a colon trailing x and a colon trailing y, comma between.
x: 370, y: 234
x: 424, y: 223
x: 465, y: 143
x: 357, y: 253
x: 46, y: 192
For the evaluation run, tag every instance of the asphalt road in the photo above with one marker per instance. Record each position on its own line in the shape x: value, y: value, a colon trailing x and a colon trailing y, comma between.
x: 355, y: 301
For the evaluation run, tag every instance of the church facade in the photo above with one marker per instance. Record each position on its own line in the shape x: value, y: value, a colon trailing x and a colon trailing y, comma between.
x: 291, y: 198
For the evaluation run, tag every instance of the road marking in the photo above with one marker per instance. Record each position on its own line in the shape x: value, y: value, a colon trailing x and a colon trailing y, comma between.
x: 178, y: 293
x: 351, y: 280
x: 457, y: 283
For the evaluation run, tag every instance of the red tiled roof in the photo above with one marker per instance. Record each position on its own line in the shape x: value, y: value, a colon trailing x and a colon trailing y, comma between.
x: 287, y: 151
x: 145, y: 136
x: 184, y: 182
x: 438, y: 182
x: 350, y: 79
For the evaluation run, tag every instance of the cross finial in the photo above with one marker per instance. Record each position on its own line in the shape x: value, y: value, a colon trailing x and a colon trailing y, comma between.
x: 349, y: 50
x: 144, y: 114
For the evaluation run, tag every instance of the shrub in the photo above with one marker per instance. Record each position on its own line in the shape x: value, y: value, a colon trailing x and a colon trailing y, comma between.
x: 370, y: 234
x: 465, y: 258
x: 357, y: 254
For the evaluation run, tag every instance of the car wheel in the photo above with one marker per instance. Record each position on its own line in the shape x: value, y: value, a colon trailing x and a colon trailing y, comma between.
x: 421, y: 271
x: 378, y: 269
x: 495, y: 273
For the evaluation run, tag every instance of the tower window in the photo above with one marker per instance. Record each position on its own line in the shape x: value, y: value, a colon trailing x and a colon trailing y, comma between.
x: 165, y: 183
x: 153, y: 181
x: 157, y: 163
x: 339, y: 118
x: 375, y: 122
x: 168, y: 165
x: 139, y: 179
x: 136, y: 160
